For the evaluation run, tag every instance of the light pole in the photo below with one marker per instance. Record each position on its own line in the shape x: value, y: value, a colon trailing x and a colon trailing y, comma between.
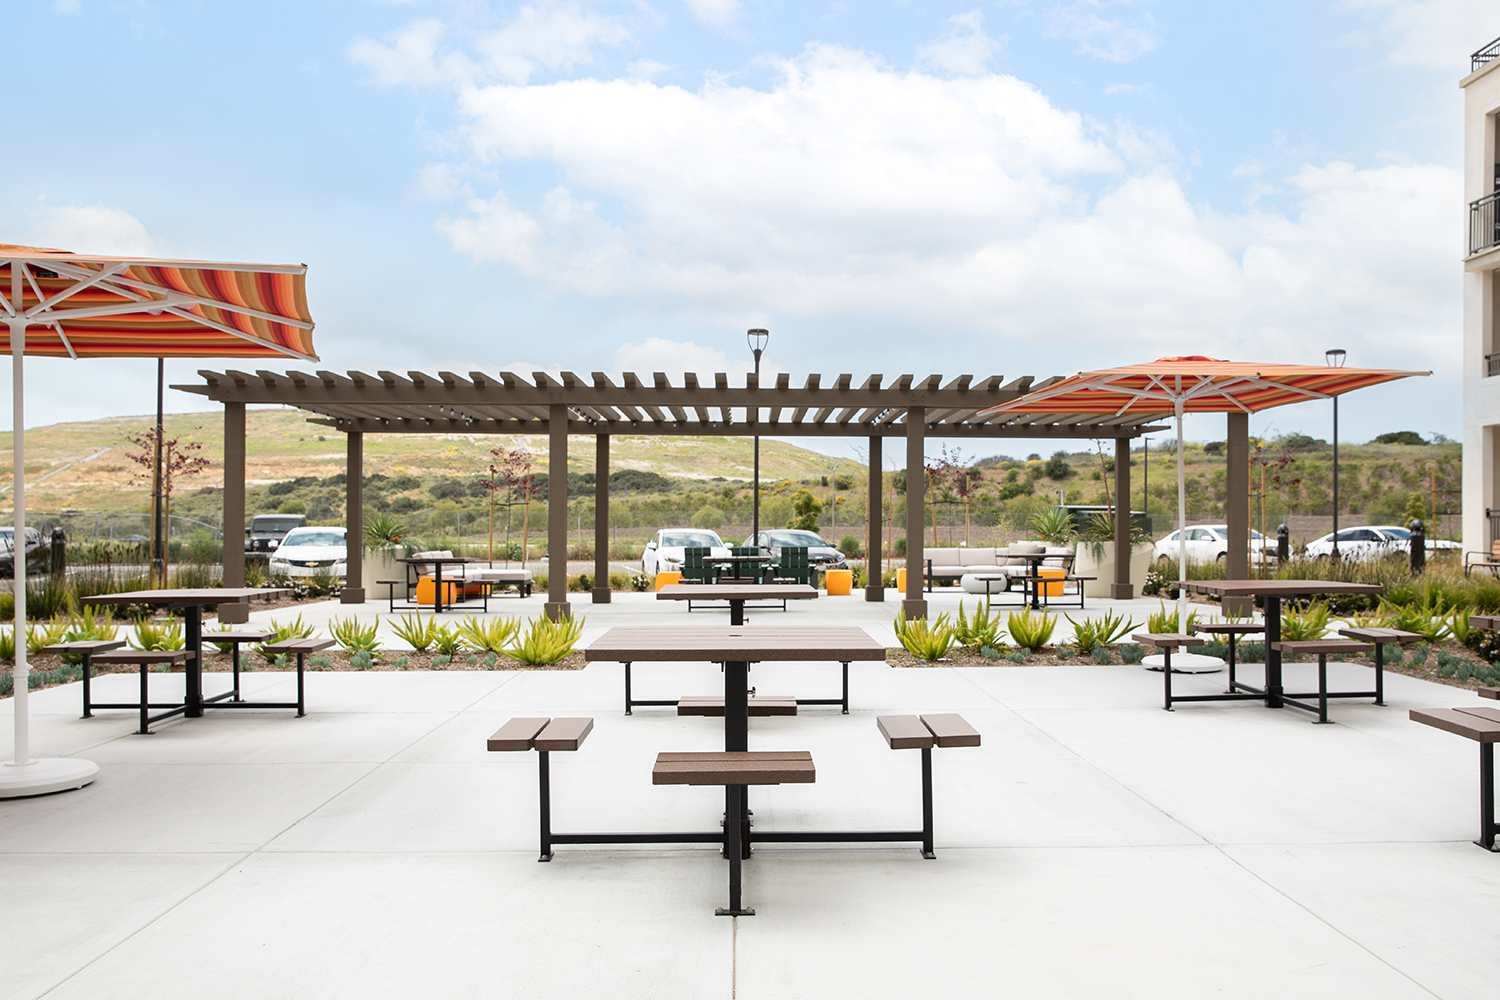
x: 1335, y: 360
x: 834, y: 503
x: 757, y: 340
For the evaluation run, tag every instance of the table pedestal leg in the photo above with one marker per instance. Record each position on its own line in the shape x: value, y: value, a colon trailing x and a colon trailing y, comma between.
x: 734, y: 805
x: 1274, y: 688
x: 1486, y: 796
x: 193, y: 670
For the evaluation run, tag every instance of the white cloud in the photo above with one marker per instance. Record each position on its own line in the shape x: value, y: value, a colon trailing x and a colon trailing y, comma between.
x: 848, y: 188
x: 964, y: 50
x: 552, y: 36
x: 66, y: 6
x: 675, y: 357
x: 1438, y: 34
x: 715, y: 13
x: 1117, y: 39
x: 97, y: 229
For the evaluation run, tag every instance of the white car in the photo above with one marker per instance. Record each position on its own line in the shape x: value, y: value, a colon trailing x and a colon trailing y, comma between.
x: 1371, y: 541
x: 1209, y: 543
x: 311, y: 552
x: 664, y: 552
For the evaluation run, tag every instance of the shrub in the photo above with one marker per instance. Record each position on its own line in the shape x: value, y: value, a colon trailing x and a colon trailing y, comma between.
x: 547, y: 641
x: 620, y: 580
x: 415, y: 632
x: 447, y: 640
x: 8, y: 646
x: 640, y: 583
x: 1101, y: 655
x: 923, y: 638
x: 1053, y: 525
x: 707, y: 516
x: 1031, y: 630
x: 41, y: 634
x: 1164, y: 623
x: 1132, y: 652
x: 353, y: 637
x: 852, y: 547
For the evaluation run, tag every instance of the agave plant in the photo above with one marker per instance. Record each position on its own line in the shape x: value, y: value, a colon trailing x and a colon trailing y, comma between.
x: 924, y: 638
x: 1031, y: 630
x: 40, y: 635
x: 1054, y: 525
x: 295, y: 629
x: 1164, y: 622
x: 1093, y: 634
x: 547, y: 641
x: 416, y: 632
x: 492, y: 634
x: 1305, y: 625
x: 983, y: 630
x: 353, y: 637
x: 448, y: 640
x: 157, y: 635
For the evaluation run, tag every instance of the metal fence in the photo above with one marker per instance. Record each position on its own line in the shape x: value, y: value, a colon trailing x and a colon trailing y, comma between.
x: 1485, y: 56
x: 1484, y: 226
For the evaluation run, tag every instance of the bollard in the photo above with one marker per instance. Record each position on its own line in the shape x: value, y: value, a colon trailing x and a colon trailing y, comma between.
x: 1418, y: 547
x: 1283, y: 543
x: 59, y: 551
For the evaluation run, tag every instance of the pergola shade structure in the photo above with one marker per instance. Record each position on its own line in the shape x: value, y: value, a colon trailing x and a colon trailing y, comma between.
x: 357, y: 403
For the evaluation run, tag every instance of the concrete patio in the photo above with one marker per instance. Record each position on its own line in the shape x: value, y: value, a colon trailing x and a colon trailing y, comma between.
x: 1094, y: 846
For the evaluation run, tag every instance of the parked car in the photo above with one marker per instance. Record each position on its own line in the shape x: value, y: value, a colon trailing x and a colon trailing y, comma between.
x: 664, y: 552
x: 1209, y: 543
x: 38, y: 554
x: 267, y: 530
x: 1372, y: 541
x: 311, y: 552
x: 820, y: 553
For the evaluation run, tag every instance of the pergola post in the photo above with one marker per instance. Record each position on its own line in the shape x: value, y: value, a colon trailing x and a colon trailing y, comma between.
x: 354, y: 521
x: 1120, y: 588
x: 914, y: 606
x: 601, y: 519
x: 874, y: 591
x: 1237, y: 508
x: 557, y: 513
x: 234, y: 510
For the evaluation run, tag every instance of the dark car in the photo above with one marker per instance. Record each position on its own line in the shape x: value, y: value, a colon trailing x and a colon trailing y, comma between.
x: 820, y: 553
x: 38, y: 554
x: 267, y: 530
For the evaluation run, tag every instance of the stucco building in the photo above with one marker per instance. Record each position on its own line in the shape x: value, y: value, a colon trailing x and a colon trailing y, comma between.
x: 1481, y: 351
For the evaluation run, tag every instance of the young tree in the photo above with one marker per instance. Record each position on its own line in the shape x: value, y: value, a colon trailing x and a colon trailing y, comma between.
x: 180, y: 460
x: 805, y: 508
x: 515, y: 471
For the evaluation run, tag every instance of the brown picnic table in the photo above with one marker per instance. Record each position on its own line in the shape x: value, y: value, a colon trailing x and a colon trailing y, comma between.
x: 192, y: 602
x: 1274, y: 693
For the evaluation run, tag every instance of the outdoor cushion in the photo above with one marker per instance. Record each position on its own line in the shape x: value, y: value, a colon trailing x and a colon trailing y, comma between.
x: 1058, y: 558
x: 425, y: 569
x: 976, y: 557
x: 1023, y: 549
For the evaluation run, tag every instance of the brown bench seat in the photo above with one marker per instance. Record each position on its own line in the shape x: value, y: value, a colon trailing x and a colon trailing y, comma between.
x: 87, y: 649
x: 1482, y: 725
x: 145, y: 659
x: 1321, y: 648
x: 758, y: 705
x: 745, y: 767
x: 289, y: 647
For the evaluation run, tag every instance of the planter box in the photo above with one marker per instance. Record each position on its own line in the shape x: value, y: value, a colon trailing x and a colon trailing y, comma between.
x: 381, y: 564
x: 1104, y: 569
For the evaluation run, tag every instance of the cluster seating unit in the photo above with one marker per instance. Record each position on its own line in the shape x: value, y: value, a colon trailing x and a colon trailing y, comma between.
x: 632, y: 703
x: 735, y: 770
x: 1357, y: 640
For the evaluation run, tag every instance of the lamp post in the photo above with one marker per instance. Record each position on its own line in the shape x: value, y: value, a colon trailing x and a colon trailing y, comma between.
x: 834, y: 502
x: 1335, y: 360
x: 757, y: 340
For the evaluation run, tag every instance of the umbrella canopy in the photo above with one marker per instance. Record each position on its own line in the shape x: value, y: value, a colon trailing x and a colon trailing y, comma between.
x: 1194, y: 385
x: 59, y: 304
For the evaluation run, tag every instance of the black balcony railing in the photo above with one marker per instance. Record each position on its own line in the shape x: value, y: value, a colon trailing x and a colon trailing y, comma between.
x: 1486, y: 55
x: 1484, y: 223
x: 1491, y: 365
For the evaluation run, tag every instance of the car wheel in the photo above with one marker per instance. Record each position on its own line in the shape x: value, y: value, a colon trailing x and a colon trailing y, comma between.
x: 1223, y: 556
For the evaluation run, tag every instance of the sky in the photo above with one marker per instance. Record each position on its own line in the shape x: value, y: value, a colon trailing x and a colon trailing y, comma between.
x: 889, y: 187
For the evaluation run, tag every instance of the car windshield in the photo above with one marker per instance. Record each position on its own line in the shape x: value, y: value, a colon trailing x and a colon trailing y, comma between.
x: 313, y: 537
x: 683, y: 539
x: 798, y: 538
x: 275, y: 523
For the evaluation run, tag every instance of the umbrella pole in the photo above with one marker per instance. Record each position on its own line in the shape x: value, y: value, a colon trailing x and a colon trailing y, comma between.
x: 1182, y: 627
x: 23, y: 775
x: 19, y: 686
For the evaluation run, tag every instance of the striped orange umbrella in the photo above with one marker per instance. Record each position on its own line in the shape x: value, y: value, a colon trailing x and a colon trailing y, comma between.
x: 1193, y: 384
x: 59, y: 304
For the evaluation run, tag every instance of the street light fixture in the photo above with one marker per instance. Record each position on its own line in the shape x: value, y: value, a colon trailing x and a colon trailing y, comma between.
x: 1335, y: 358
x: 757, y: 340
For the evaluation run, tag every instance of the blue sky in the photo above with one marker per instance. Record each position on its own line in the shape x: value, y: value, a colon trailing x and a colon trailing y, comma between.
x: 1012, y: 188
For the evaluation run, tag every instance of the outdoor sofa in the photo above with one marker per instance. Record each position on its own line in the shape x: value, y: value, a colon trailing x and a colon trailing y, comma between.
x: 967, y: 565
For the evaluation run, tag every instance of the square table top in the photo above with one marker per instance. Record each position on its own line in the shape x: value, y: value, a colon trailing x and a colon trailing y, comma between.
x: 629, y: 643
x: 1279, y: 588
x: 202, y: 595
x: 736, y: 592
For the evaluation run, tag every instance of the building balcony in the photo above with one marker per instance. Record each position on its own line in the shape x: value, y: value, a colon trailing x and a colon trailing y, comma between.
x: 1484, y: 223
x: 1484, y: 56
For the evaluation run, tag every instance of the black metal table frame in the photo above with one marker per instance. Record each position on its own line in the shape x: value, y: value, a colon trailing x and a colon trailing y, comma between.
x: 736, y: 839
x: 630, y: 703
x: 1488, y: 827
x: 143, y: 706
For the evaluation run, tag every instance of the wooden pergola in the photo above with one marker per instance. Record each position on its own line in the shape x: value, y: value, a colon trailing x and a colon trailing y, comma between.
x: 559, y: 407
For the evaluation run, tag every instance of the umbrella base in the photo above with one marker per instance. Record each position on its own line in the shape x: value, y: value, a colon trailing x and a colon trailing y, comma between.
x: 41, y: 777
x: 1186, y: 663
